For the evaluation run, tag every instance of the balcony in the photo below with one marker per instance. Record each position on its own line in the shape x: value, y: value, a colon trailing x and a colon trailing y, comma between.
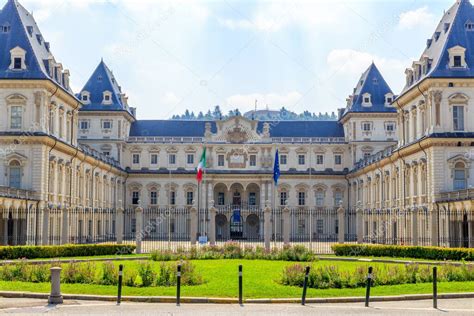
x: 459, y: 195
x: 15, y: 193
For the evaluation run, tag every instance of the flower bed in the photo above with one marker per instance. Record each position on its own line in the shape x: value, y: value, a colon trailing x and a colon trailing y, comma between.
x: 325, y: 277
x: 140, y: 274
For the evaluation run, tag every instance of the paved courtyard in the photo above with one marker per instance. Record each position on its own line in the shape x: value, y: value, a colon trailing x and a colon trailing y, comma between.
x: 35, y: 306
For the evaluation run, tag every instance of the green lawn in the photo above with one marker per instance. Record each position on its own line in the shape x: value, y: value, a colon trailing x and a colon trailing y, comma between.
x: 260, y: 281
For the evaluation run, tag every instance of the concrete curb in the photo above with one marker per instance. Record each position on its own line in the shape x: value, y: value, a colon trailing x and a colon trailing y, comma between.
x: 216, y: 300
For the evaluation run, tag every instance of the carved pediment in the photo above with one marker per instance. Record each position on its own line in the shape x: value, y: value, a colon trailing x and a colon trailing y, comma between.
x: 237, y: 135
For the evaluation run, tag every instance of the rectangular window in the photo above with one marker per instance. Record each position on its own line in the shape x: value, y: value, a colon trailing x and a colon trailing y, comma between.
x: 220, y: 160
x: 338, y: 198
x: 189, y: 197
x: 136, y: 158
x: 319, y: 198
x: 457, y: 61
x: 135, y: 197
x: 153, y: 197
x: 253, y: 160
x: 17, y: 63
x: 336, y: 226
x: 154, y: 159
x: 283, y: 159
x: 301, y: 226
x: 459, y: 179
x: 320, y: 226
x: 106, y: 153
x: 172, y: 198
x: 301, y: 159
x: 220, y: 198
x: 190, y: 159
x: 15, y: 177
x: 458, y: 118
x: 390, y: 127
x: 84, y: 124
x: 252, y: 198
x: 366, y: 127
x: 301, y: 198
x: 106, y: 124
x: 338, y: 159
x: 319, y: 159
x: 172, y: 159
x: 16, y: 117
x: 283, y: 197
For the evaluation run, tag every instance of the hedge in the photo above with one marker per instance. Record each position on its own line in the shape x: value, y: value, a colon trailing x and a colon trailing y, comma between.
x: 31, y: 252
x: 418, y: 252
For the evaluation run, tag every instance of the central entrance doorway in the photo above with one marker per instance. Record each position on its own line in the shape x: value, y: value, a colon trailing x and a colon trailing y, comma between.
x: 236, y: 227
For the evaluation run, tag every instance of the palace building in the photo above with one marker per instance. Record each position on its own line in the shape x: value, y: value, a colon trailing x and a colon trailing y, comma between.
x: 398, y: 166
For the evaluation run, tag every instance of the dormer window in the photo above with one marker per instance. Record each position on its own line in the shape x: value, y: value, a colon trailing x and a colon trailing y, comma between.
x: 5, y: 28
x: 366, y: 99
x: 388, y: 99
x: 469, y: 26
x: 85, y: 96
x: 457, y: 57
x: 17, y: 56
x: 107, y: 97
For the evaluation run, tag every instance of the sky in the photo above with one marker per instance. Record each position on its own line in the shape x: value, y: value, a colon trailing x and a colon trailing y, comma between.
x: 169, y: 56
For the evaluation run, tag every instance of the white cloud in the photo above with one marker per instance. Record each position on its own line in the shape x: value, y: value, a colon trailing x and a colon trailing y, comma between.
x: 275, y: 16
x: 415, y: 18
x: 170, y: 99
x: 246, y: 102
x: 350, y: 61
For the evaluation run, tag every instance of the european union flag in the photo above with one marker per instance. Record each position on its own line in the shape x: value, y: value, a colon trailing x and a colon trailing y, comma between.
x: 276, y: 168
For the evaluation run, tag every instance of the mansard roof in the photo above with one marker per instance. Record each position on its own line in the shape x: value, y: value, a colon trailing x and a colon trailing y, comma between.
x: 195, y: 128
x: 103, y: 80
x: 18, y: 28
x: 371, y: 82
x: 456, y: 28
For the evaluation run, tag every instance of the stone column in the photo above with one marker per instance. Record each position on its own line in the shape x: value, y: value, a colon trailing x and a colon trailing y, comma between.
x: 45, y: 232
x: 65, y: 226
x: 342, y: 226
x: 5, y: 228
x: 212, y: 224
x: 434, y: 226
x: 360, y: 226
x: 119, y: 225
x: 286, y: 226
x: 267, y: 226
x: 139, y: 228
x: 414, y: 229
x: 15, y: 219
x: 55, y: 296
x: 194, y: 224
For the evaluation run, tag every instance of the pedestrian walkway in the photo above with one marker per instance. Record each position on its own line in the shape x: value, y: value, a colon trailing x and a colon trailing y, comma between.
x: 36, y: 306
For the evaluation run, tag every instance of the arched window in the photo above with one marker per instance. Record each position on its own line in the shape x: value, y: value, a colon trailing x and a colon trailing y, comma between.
x: 459, y: 176
x: 14, y: 174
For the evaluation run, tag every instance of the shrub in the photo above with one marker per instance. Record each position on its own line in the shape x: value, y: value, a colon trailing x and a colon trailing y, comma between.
x: 233, y: 250
x: 31, y: 252
x: 109, y: 275
x: 324, y: 277
x: 74, y: 272
x: 146, y: 274
x: 419, y: 252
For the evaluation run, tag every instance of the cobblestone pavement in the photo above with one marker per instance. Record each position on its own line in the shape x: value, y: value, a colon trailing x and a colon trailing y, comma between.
x: 71, y: 307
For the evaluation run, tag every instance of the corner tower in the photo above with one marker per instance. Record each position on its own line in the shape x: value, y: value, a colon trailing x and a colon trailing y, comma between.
x: 369, y: 118
x: 105, y: 117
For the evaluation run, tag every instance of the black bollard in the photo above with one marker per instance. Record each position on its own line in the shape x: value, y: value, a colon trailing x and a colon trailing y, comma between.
x: 305, y: 285
x: 178, y: 286
x: 369, y: 284
x: 435, y: 287
x: 240, y: 284
x: 120, y: 277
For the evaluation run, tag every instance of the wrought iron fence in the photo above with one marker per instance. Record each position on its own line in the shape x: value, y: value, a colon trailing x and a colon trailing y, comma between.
x: 160, y: 228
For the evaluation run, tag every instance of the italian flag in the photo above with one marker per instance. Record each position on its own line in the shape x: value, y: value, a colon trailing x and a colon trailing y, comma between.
x: 201, y: 166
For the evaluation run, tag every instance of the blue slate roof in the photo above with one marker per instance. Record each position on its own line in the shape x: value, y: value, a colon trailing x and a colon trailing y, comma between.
x: 18, y: 28
x: 371, y: 82
x: 102, y: 79
x: 451, y: 31
x: 194, y: 128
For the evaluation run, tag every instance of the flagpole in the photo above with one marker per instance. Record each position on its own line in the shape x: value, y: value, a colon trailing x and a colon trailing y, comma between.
x: 169, y: 202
